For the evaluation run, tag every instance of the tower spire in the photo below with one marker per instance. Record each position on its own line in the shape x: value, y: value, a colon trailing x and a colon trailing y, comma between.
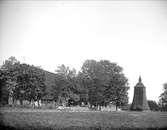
x: 140, y: 79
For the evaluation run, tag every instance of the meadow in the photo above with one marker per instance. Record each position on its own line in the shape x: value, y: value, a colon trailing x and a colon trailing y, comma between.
x: 91, y: 120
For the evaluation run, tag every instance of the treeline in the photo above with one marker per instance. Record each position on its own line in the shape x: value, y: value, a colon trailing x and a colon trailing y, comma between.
x: 97, y: 83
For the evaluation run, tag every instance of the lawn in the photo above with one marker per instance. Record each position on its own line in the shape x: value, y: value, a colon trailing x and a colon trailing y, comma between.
x: 52, y: 119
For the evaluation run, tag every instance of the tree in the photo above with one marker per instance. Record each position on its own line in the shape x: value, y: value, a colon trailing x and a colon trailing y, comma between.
x: 30, y: 83
x: 153, y: 105
x: 116, y: 84
x: 163, y: 98
x: 83, y: 86
x: 8, y: 78
x: 116, y: 91
x: 93, y: 74
x: 108, y: 83
x: 23, y: 81
x: 4, y: 94
x: 8, y: 64
x: 66, y: 85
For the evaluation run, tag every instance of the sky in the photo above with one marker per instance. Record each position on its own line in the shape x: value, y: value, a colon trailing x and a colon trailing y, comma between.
x: 50, y: 33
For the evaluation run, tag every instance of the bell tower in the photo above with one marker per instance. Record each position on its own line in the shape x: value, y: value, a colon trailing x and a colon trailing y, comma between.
x: 139, y: 100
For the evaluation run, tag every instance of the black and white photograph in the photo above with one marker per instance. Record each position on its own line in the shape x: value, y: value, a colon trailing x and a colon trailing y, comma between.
x: 83, y: 64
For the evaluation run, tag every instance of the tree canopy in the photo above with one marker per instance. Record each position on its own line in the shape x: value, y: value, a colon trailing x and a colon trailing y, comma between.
x: 66, y: 85
x: 153, y: 105
x: 22, y: 81
x: 107, y: 82
x: 163, y: 98
x: 98, y: 83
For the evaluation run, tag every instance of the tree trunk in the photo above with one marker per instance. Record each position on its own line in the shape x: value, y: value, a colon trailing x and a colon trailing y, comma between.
x: 116, y: 108
x: 99, y: 107
x: 13, y: 100
x: 21, y: 101
x: 90, y: 106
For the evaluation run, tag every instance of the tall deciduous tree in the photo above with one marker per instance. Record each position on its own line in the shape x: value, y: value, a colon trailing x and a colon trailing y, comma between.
x: 108, y: 83
x: 116, y: 91
x: 8, y: 78
x: 4, y: 94
x: 153, y: 105
x: 30, y: 83
x: 23, y: 81
x: 66, y: 85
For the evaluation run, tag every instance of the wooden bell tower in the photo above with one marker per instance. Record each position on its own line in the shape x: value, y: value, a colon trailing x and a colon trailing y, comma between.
x: 139, y: 100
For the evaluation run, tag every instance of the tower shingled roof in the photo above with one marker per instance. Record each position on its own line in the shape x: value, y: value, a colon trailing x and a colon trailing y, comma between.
x: 140, y: 79
x: 140, y: 84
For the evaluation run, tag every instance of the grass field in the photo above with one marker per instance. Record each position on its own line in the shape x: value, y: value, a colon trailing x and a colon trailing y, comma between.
x: 52, y: 119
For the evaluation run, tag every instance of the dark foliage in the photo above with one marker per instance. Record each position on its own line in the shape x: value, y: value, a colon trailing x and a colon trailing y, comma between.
x: 153, y: 105
x: 163, y: 98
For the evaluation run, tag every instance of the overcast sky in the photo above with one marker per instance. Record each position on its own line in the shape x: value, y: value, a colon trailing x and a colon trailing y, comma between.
x: 51, y: 33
